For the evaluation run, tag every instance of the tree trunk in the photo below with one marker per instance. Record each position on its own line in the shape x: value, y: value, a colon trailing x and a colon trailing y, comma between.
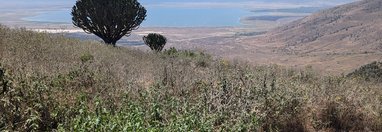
x: 110, y: 42
x: 114, y: 43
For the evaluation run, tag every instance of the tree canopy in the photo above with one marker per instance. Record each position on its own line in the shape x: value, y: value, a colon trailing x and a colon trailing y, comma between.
x: 156, y: 42
x: 108, y: 19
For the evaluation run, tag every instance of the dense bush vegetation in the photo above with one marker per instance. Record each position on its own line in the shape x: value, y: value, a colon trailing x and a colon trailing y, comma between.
x: 369, y: 72
x: 55, y: 83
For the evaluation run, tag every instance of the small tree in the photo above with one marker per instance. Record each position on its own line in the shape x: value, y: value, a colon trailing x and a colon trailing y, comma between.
x: 108, y: 19
x: 156, y: 42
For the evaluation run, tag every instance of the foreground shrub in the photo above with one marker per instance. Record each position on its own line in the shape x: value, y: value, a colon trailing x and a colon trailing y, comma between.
x: 339, y: 116
x: 26, y: 105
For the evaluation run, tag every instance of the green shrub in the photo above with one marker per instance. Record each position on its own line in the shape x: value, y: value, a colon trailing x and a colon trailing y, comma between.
x: 26, y: 105
x: 171, y: 51
x: 156, y: 42
x: 369, y: 72
x: 86, y: 57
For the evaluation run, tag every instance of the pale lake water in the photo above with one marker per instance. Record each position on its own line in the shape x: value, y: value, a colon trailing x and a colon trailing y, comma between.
x: 170, y: 13
x: 165, y: 17
x: 165, y: 13
x: 187, y: 17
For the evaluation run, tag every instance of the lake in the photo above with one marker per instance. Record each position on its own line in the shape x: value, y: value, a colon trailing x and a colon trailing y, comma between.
x: 165, y: 17
x: 171, y: 13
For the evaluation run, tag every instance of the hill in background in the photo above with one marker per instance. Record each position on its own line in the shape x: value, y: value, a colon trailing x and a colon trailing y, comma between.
x: 335, y: 40
x: 353, y: 28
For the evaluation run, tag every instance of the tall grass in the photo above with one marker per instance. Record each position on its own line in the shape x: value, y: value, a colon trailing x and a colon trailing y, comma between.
x: 55, y: 83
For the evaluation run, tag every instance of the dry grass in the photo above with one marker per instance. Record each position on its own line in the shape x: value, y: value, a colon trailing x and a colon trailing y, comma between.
x: 56, y: 83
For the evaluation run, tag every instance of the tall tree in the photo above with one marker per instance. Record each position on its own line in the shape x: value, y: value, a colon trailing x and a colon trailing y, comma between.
x: 108, y: 19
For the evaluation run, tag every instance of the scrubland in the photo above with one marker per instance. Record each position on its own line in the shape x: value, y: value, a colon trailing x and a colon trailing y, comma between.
x: 52, y: 83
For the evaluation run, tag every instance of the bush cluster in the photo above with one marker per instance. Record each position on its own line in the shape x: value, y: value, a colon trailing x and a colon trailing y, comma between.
x: 369, y: 72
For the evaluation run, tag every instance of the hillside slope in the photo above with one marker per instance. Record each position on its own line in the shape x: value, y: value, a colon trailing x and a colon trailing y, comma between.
x: 52, y: 83
x: 351, y: 28
x: 333, y: 41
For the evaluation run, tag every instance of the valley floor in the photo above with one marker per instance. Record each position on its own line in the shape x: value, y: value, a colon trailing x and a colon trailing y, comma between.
x: 240, y: 44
